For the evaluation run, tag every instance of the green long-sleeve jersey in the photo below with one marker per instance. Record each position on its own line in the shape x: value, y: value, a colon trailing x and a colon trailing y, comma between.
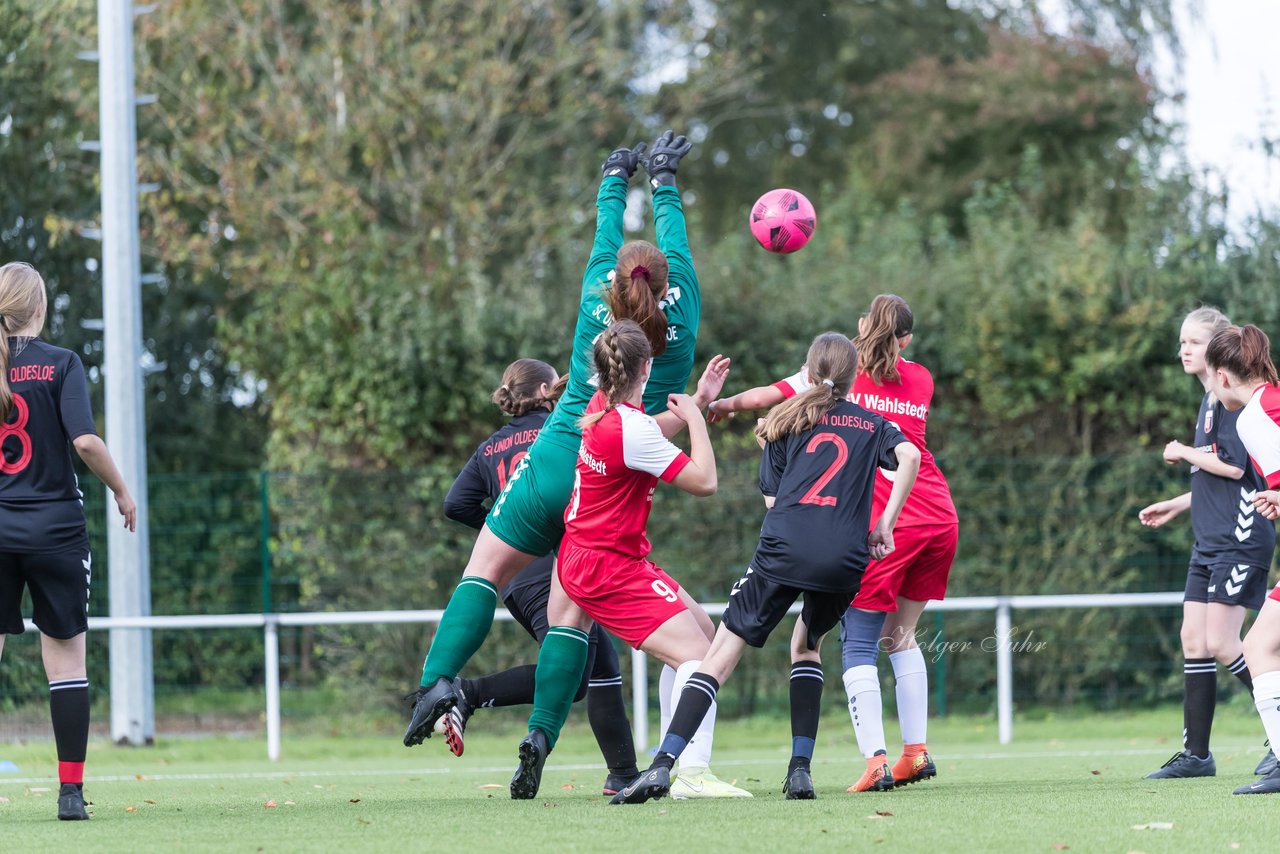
x: 682, y: 306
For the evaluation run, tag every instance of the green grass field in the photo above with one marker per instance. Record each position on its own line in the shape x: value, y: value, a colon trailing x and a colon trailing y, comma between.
x: 1070, y: 783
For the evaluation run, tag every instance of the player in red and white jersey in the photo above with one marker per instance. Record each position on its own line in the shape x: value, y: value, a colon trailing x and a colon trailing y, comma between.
x: 917, y: 570
x: 603, y: 573
x: 817, y: 473
x: 1245, y: 379
x: 44, y: 547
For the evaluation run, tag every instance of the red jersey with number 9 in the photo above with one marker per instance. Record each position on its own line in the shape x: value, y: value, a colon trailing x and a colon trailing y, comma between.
x: 40, y: 500
x: 905, y: 403
x: 620, y: 460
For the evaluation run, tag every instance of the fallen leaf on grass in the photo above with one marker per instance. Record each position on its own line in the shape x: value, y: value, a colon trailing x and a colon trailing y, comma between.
x: 130, y: 809
x: 355, y: 800
x: 874, y: 817
x: 269, y: 805
x: 4, y: 800
x: 148, y: 801
x: 567, y: 786
x: 662, y: 812
x: 39, y: 790
x: 362, y: 821
x: 1154, y: 825
x: 492, y: 786
x: 550, y: 805
x: 883, y: 813
x: 1060, y: 846
x: 290, y: 804
x: 1095, y: 773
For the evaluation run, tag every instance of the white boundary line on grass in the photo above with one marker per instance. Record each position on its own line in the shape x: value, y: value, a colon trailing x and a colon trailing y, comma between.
x: 506, y: 769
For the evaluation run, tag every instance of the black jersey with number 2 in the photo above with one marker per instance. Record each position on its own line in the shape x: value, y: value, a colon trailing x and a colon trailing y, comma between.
x: 822, y: 480
x: 40, y: 500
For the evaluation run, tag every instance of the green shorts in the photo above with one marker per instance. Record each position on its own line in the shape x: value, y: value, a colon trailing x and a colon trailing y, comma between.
x: 529, y: 513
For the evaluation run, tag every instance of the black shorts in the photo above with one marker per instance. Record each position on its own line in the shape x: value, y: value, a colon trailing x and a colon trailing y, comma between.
x: 1227, y: 584
x: 757, y: 605
x: 527, y: 602
x: 59, y: 585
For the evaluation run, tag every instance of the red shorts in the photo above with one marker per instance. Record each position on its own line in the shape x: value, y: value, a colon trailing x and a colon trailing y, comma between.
x: 629, y: 596
x: 917, y: 568
x: 1275, y: 593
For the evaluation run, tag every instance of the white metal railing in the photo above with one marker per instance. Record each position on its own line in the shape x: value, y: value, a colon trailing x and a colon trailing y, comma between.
x: 1003, y: 606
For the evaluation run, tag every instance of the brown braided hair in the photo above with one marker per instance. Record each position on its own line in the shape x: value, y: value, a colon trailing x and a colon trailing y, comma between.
x: 620, y: 354
x: 521, y: 380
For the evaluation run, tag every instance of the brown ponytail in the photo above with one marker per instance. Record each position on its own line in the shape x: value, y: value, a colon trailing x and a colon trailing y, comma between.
x: 521, y: 380
x: 639, y: 279
x: 832, y: 363
x: 620, y: 353
x: 889, y: 319
x: 22, y: 301
x: 1245, y: 352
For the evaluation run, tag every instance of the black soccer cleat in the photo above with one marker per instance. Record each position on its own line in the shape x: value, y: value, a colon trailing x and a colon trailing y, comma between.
x: 1267, y: 765
x: 1268, y: 785
x: 615, y: 783
x: 71, y: 806
x: 651, y: 785
x: 454, y: 721
x: 428, y: 705
x: 528, y: 776
x: 799, y: 785
x: 1182, y: 765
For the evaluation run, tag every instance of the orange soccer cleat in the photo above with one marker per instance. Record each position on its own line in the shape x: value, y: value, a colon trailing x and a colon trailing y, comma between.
x: 915, y: 764
x: 877, y: 777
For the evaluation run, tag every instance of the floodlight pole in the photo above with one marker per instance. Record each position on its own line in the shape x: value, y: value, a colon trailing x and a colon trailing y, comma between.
x: 128, y: 554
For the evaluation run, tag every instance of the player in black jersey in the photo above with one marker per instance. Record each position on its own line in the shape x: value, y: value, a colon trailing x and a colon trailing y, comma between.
x: 44, y: 405
x: 528, y: 392
x: 817, y: 474
x: 1229, y: 560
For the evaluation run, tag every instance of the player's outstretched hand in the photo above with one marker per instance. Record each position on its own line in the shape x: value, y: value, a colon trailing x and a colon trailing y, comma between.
x: 712, y: 381
x: 1155, y: 515
x: 664, y: 158
x: 129, y: 510
x: 623, y: 162
x: 1267, y: 503
x: 685, y: 408
x: 715, y: 414
x: 880, y: 541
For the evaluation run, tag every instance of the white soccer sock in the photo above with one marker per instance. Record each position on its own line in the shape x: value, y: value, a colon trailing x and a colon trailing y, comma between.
x: 912, y: 690
x: 862, y: 685
x: 1266, y: 698
x: 697, y: 756
x: 666, y: 700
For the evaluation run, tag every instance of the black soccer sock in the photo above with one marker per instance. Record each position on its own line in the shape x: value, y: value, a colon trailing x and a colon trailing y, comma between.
x: 1240, y: 670
x: 69, y: 710
x: 512, y: 687
x: 806, y: 705
x: 695, y: 700
x: 607, y: 711
x: 1199, y: 695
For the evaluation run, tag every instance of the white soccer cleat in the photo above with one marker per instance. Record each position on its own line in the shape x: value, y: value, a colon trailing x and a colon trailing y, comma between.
x: 695, y: 783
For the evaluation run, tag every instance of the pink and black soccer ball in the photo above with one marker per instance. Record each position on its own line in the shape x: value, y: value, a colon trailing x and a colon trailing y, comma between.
x: 783, y: 220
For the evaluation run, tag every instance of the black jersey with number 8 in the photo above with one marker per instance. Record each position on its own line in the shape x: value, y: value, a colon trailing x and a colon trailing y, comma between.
x: 40, y: 500
x: 822, y: 480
